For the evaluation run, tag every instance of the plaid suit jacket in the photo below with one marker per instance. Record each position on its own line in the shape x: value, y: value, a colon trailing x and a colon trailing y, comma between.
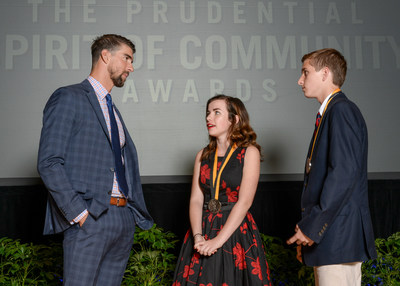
x: 76, y: 162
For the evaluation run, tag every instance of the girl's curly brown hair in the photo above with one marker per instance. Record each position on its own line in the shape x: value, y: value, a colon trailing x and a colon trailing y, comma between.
x: 240, y: 133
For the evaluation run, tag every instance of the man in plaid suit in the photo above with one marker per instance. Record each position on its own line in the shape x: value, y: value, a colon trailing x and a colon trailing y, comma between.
x: 87, y: 202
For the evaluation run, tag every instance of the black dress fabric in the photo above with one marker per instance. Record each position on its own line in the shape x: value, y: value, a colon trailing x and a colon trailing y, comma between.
x: 241, y: 260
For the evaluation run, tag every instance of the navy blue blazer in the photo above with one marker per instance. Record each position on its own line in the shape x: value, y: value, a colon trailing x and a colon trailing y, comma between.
x: 335, y: 209
x: 76, y: 161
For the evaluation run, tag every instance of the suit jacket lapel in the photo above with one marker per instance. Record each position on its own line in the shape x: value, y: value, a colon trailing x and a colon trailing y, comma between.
x: 339, y: 96
x: 131, y: 160
x: 96, y: 106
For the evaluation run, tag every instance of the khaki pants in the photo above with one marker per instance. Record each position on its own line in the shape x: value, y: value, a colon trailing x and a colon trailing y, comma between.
x: 346, y: 274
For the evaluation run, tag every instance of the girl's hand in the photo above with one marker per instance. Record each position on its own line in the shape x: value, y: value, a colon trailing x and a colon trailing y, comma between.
x: 198, y: 238
x: 208, y: 247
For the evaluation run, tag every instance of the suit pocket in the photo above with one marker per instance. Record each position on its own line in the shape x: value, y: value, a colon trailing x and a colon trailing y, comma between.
x: 82, y: 189
x: 79, y: 187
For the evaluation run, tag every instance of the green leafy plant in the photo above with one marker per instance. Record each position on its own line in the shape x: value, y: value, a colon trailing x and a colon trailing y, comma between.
x: 284, y: 267
x: 28, y: 264
x: 151, y: 261
x: 286, y: 270
x: 385, y: 269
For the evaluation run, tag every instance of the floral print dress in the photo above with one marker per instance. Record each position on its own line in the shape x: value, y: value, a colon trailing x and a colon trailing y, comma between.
x: 241, y: 260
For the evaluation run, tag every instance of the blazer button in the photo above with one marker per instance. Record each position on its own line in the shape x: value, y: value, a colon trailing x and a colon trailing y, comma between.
x: 109, y: 192
x: 303, y: 209
x: 112, y: 169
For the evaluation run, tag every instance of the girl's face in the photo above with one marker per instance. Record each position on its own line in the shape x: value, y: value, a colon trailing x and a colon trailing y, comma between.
x: 217, y: 119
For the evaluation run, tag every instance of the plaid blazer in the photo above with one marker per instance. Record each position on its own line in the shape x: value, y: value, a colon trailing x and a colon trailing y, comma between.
x: 76, y: 162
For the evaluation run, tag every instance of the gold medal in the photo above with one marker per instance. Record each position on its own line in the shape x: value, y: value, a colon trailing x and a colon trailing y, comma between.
x: 308, y: 165
x: 214, y: 206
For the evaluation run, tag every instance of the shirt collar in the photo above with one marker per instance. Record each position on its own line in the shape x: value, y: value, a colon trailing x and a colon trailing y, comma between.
x: 322, y: 108
x: 99, y: 89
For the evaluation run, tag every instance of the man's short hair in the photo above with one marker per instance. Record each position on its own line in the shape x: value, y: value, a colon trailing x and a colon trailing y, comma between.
x: 110, y: 42
x: 330, y: 58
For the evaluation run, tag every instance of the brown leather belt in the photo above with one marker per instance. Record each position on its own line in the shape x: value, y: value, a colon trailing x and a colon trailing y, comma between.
x: 119, y: 202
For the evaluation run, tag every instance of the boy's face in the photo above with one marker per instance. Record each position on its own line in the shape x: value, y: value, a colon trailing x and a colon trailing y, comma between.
x: 311, y: 81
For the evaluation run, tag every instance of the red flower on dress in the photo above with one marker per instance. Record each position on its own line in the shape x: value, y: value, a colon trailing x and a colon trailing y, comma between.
x: 232, y: 195
x: 204, y: 173
x: 243, y: 229
x: 209, y: 284
x: 240, y: 261
x: 257, y: 268
x: 186, y: 237
x: 268, y: 273
x: 176, y: 283
x: 255, y: 240
x: 240, y: 155
x: 251, y: 219
x: 223, y: 184
x: 187, y: 271
x: 195, y: 259
x: 211, y: 216
x: 225, y: 284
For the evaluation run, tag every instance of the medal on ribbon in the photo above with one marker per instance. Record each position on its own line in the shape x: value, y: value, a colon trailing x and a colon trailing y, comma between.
x: 308, y: 165
x: 308, y: 161
x: 214, y: 205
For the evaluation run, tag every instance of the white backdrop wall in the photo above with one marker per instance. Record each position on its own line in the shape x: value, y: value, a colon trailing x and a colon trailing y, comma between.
x: 187, y: 51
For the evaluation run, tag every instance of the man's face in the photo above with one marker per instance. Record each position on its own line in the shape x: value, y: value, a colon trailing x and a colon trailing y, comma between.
x: 120, y: 65
x: 311, y: 81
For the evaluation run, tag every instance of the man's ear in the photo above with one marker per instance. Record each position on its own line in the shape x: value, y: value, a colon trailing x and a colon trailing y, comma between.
x: 325, y: 73
x: 105, y: 56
